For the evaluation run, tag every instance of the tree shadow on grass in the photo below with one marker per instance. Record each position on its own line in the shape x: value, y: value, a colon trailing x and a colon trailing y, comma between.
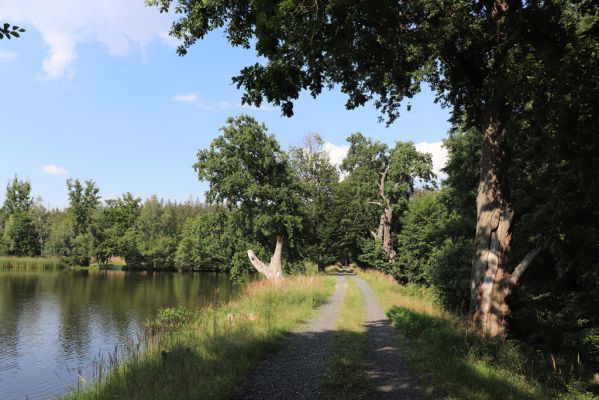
x: 458, y: 363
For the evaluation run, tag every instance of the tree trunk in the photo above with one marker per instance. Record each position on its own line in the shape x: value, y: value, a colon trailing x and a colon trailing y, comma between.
x: 387, y: 233
x: 380, y: 231
x: 272, y: 271
x: 491, y: 283
x: 493, y: 235
x: 384, y: 232
x: 321, y: 267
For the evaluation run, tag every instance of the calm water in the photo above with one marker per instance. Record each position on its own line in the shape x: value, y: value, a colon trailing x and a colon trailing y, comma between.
x: 53, y: 322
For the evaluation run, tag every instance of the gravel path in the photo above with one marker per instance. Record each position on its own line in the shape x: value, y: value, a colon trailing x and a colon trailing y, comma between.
x: 389, y: 370
x: 296, y: 371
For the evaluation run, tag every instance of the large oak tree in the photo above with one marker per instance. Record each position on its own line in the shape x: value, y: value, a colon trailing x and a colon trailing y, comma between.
x: 247, y: 171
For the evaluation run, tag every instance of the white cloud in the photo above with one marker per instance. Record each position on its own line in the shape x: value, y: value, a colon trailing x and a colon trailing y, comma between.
x: 55, y: 170
x: 186, y: 97
x: 439, y: 154
x: 117, y: 25
x: 336, y: 153
x: 7, y: 56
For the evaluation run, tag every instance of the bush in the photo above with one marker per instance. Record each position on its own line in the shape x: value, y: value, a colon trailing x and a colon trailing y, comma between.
x: 422, y: 233
x: 373, y: 256
x: 450, y: 276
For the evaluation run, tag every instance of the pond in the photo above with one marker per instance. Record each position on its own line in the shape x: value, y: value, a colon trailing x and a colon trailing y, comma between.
x: 54, y: 325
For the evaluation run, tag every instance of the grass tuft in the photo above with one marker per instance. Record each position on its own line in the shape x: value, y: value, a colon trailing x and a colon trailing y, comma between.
x: 205, y: 354
x: 31, y: 262
x: 347, y: 361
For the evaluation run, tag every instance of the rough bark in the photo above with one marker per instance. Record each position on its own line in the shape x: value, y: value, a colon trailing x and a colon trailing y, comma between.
x: 493, y: 236
x: 491, y: 282
x: 388, y: 234
x: 273, y: 270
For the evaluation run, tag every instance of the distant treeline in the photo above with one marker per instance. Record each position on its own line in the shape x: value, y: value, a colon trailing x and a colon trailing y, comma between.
x: 146, y: 234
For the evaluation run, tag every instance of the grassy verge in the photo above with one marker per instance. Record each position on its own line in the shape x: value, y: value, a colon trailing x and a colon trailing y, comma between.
x: 453, y: 361
x: 205, y: 354
x: 346, y: 364
x: 31, y: 262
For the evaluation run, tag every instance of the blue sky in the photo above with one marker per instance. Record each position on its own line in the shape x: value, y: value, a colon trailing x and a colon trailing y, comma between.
x: 96, y: 91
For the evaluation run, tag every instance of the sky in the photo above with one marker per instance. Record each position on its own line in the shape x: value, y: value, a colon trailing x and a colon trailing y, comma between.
x: 95, y: 90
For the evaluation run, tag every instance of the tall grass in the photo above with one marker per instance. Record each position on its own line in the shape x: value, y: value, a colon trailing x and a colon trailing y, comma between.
x: 31, y: 262
x: 206, y: 353
x: 454, y: 361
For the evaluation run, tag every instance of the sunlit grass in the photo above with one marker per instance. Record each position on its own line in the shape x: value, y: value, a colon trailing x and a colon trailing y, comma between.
x: 207, y: 354
x: 347, y: 361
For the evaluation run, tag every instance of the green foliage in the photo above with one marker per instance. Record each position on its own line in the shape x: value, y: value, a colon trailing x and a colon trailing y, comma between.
x: 19, y: 237
x: 116, y: 219
x: 360, y: 200
x: 402, y: 165
x: 82, y: 203
x: 372, y: 255
x: 248, y: 171
x: 7, y: 31
x: 213, y: 240
x: 351, y: 218
x: 18, y: 197
x: 423, y: 226
x: 83, y: 246
x: 450, y: 273
x: 60, y: 236
x: 318, y: 181
x: 169, y: 319
x: 17, y: 226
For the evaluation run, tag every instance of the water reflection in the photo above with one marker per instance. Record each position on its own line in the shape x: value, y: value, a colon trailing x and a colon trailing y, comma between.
x: 53, y: 322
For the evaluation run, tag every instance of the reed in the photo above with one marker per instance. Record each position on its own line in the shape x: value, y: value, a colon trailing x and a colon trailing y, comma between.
x: 206, y: 353
x: 31, y: 262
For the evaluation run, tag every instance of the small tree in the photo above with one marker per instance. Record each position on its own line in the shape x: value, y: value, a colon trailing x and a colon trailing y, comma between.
x: 247, y: 170
x: 19, y: 233
x: 82, y: 204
